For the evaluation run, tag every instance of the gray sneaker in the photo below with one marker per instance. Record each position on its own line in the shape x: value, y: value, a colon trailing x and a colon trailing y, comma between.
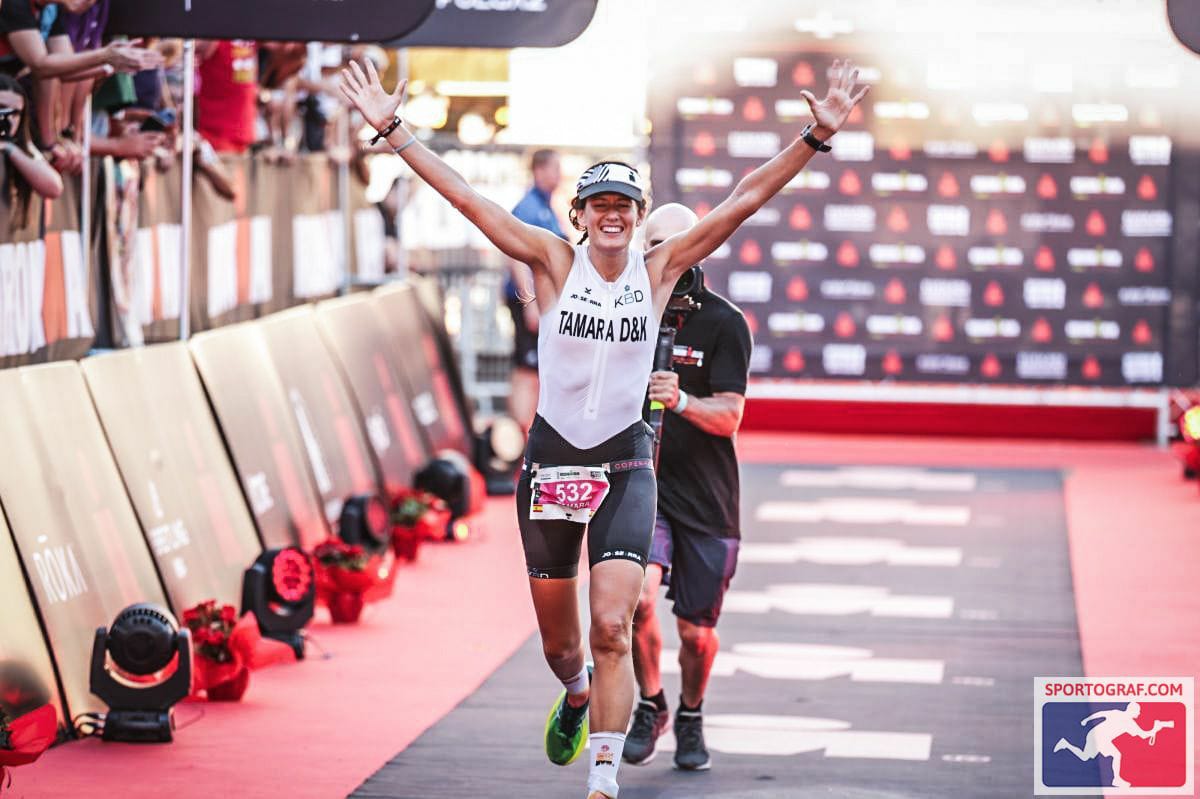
x: 648, y: 723
x: 690, y: 752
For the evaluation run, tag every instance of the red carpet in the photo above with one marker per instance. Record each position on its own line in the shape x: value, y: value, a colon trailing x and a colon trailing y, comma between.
x: 320, y: 727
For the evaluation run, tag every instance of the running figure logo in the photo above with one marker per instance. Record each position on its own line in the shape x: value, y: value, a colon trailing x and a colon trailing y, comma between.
x: 1122, y: 736
x: 1101, y: 739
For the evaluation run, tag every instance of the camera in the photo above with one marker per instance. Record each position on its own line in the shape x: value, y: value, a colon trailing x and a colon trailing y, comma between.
x: 690, y: 283
x: 684, y: 297
x: 7, y: 123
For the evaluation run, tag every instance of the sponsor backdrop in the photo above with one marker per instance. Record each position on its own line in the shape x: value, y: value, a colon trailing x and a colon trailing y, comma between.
x: 959, y: 230
x: 173, y: 463
x: 322, y: 409
x: 76, y: 534
x: 351, y: 328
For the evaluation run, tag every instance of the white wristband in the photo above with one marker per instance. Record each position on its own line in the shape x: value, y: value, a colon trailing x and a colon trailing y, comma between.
x: 681, y: 406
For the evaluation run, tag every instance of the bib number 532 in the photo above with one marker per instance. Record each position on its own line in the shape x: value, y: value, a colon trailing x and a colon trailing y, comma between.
x: 573, y: 494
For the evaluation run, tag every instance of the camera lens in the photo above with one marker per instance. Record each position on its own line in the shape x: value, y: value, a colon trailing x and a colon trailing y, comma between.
x: 686, y: 283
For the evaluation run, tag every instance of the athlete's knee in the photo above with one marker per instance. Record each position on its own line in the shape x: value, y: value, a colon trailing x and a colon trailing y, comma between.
x: 695, y: 639
x: 610, y: 634
x: 560, y: 651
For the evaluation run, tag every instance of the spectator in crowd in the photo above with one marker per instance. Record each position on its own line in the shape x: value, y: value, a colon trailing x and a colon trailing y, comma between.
x: 25, y: 171
x: 394, y: 259
x: 33, y: 39
x: 227, y: 97
x: 533, y: 209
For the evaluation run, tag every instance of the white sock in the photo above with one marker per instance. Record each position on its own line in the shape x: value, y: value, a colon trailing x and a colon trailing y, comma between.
x: 577, y: 684
x: 606, y: 748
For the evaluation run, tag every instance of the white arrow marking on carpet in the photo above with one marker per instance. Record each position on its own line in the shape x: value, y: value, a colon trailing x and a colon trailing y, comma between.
x: 865, y: 510
x: 880, y: 479
x: 839, y: 551
x: 815, y: 662
x: 822, y: 599
x: 744, y: 734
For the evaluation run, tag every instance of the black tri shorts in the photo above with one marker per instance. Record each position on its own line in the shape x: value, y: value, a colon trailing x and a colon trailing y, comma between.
x: 622, y: 526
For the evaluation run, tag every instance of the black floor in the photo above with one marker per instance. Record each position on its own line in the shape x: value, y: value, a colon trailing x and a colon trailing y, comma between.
x: 879, y: 643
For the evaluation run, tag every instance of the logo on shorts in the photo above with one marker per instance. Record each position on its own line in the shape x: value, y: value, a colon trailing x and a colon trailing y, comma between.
x: 605, y: 756
x: 1125, y: 735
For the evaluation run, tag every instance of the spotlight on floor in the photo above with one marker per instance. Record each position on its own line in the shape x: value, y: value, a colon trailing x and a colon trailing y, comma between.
x: 280, y: 591
x: 365, y: 521
x: 128, y: 664
x: 498, y: 452
x: 448, y: 476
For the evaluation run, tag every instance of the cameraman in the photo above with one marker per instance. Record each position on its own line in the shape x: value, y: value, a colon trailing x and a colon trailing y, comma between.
x: 25, y: 171
x: 696, y: 536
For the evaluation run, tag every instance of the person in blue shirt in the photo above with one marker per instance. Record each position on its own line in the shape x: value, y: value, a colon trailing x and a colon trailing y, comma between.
x: 533, y: 209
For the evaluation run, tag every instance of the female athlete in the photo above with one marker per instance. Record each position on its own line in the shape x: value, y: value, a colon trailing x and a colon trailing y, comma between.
x: 588, y: 459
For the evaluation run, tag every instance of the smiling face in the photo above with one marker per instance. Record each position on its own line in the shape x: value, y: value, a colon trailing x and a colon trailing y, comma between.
x: 610, y: 220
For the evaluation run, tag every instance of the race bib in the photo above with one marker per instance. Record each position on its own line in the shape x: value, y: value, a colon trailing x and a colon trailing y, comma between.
x: 573, y: 493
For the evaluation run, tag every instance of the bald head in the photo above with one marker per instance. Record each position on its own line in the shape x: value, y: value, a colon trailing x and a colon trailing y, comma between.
x: 667, y: 220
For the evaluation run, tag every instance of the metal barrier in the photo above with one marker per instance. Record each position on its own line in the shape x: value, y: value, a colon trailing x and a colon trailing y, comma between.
x: 482, y: 331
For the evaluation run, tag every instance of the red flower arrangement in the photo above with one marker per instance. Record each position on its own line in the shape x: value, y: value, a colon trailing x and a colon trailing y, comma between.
x: 417, y: 516
x: 222, y: 648
x: 23, y: 739
x: 343, y: 577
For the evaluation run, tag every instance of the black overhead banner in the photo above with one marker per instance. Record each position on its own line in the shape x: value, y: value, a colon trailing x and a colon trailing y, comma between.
x: 1184, y: 16
x: 501, y: 23
x: 285, y: 20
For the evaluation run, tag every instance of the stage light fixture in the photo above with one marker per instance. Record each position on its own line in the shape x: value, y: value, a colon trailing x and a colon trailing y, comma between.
x: 279, y: 589
x: 365, y: 521
x: 498, y: 453
x: 142, y: 643
x: 447, y: 476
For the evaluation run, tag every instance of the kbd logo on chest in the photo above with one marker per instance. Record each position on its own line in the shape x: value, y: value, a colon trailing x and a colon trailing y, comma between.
x: 630, y: 297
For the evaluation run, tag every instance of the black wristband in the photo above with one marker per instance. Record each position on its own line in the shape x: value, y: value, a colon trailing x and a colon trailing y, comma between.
x: 812, y: 141
x: 383, y: 134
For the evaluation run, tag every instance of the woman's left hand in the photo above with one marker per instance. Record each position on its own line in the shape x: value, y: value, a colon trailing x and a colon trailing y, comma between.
x: 831, y: 112
x: 365, y: 92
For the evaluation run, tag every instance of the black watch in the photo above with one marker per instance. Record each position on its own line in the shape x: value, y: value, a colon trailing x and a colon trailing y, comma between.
x: 812, y: 141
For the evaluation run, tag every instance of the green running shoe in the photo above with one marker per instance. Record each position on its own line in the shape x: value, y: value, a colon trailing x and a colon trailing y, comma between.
x: 566, y: 730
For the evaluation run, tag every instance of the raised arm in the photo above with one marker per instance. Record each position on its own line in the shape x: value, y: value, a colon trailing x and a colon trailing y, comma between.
x: 682, y: 251
x: 541, y: 249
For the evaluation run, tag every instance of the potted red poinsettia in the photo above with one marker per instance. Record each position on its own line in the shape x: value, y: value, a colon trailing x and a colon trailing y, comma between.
x: 24, y: 738
x: 343, y: 578
x: 417, y: 516
x: 222, y: 648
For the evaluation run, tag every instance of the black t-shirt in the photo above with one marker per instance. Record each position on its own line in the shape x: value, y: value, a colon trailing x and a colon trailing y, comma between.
x: 697, y: 472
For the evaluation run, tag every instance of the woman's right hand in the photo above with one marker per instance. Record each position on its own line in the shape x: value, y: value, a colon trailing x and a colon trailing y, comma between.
x: 366, y: 93
x: 130, y: 57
